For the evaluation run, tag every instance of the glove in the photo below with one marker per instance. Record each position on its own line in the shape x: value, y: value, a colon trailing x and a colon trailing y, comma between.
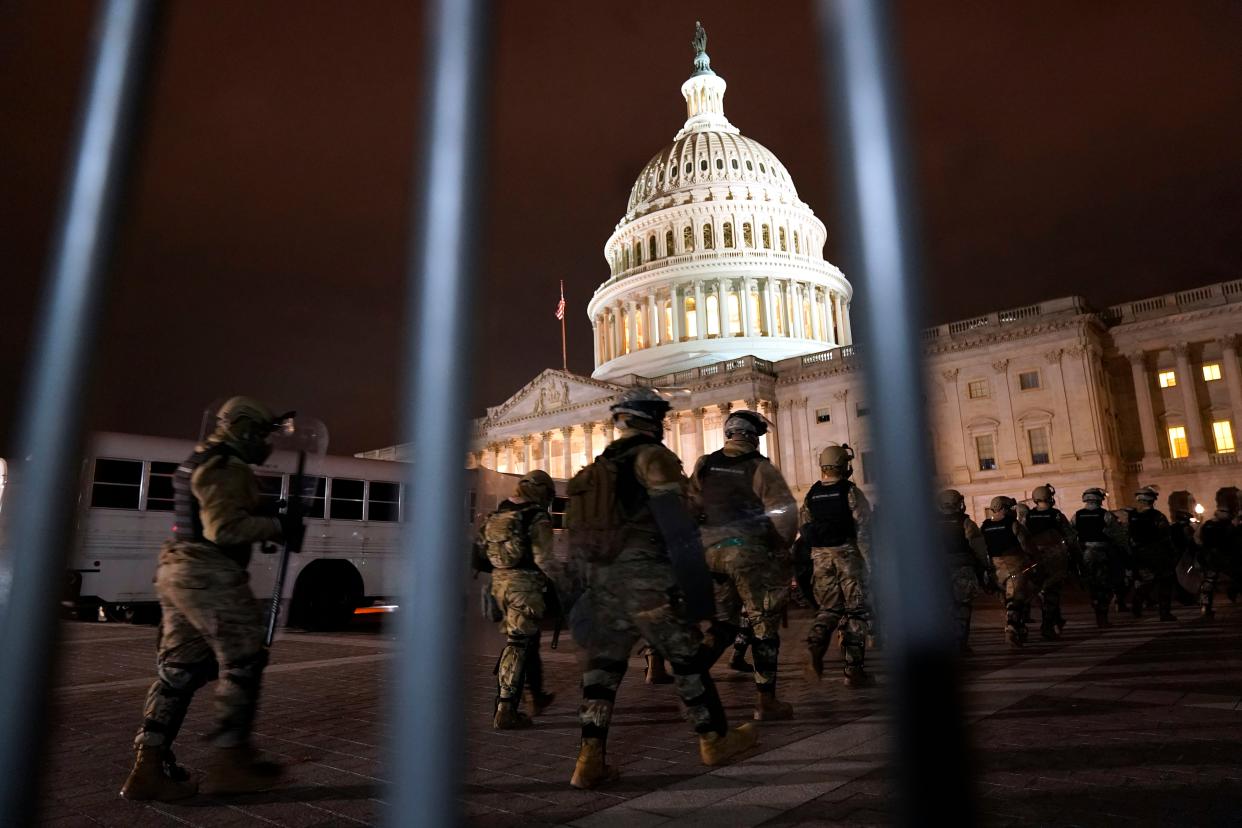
x: 292, y: 531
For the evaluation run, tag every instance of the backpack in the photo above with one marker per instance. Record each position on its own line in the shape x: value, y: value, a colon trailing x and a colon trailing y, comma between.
x: 594, y: 516
x: 505, y: 536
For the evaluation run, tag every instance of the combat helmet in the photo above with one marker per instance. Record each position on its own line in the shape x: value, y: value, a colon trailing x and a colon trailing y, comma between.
x: 246, y: 424
x: 537, y: 487
x: 951, y: 502
x: 838, y: 459
x: 1228, y: 500
x: 1094, y: 495
x: 1147, y: 495
x: 642, y: 404
x: 750, y: 424
x: 1001, y: 504
x: 1046, y: 492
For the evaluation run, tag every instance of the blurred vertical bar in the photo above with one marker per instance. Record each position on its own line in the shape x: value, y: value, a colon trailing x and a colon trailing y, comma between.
x: 933, y: 779
x: 51, y: 415
x: 427, y: 735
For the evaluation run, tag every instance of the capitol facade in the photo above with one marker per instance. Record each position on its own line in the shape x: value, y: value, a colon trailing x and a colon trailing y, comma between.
x: 718, y: 288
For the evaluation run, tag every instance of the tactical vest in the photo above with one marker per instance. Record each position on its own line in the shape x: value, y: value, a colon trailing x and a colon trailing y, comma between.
x: 953, y: 535
x: 1143, y: 530
x: 831, y: 517
x: 999, y: 537
x: 1215, y: 535
x: 188, y: 527
x: 506, y: 533
x: 1040, y: 523
x: 1181, y: 535
x: 1089, y: 524
x: 727, y: 492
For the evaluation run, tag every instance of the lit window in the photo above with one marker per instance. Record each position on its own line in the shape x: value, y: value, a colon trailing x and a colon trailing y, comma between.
x: 1211, y: 372
x: 1178, y: 447
x: 977, y: 389
x: 1168, y: 379
x: 707, y: 237
x: 767, y: 237
x: 667, y: 334
x: 784, y: 247
x: 823, y: 415
x: 692, y: 319
x: 985, y: 447
x: 728, y: 234
x: 1028, y: 380
x: 735, y: 314
x: 687, y: 239
x: 713, y: 315
x: 1223, y: 432
x: 748, y: 235
x: 1038, y: 439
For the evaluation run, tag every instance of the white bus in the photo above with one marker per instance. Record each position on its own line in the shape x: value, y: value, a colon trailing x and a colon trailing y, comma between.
x: 125, y: 513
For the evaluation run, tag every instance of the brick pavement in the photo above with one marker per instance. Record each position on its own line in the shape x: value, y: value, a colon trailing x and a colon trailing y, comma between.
x: 1138, y: 725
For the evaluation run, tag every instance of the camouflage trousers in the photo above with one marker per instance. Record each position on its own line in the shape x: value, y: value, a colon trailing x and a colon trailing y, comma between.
x: 1051, y: 574
x: 1013, y: 571
x: 1099, y: 573
x: 1153, y: 577
x: 751, y: 578
x: 965, y: 588
x: 636, y: 596
x: 519, y: 594
x: 212, y: 626
x: 840, y: 584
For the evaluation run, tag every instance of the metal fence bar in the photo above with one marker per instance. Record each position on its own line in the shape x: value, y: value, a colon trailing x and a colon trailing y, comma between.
x: 43, y: 479
x: 425, y: 752
x: 932, y: 767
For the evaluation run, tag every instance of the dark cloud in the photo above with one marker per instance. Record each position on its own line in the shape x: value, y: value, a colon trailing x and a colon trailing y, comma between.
x: 1061, y: 148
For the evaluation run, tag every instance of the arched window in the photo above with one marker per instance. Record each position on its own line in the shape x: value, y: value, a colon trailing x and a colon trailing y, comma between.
x: 797, y: 244
x: 748, y: 235
x: 735, y: 315
x: 778, y: 310
x: 708, y: 241
x: 687, y: 239
x: 651, y: 249
x: 756, y: 318
x: 733, y: 162
x: 713, y: 315
x: 703, y: 165
x: 668, y: 243
x: 638, y: 253
x: 767, y: 237
x: 720, y: 163
x: 640, y: 329
x: 691, y: 323
x: 672, y: 172
x: 728, y: 234
x: 625, y: 259
x: 784, y: 247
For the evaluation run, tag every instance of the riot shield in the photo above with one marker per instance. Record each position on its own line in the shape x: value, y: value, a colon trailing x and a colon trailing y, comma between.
x: 1189, y: 575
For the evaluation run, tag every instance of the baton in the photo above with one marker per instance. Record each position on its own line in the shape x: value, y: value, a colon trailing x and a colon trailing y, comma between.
x: 294, y: 509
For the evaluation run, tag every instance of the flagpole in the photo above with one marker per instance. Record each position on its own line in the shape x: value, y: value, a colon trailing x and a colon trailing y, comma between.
x: 564, y: 352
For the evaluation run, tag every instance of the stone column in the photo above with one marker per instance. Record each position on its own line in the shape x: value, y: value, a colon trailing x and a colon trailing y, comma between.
x: 723, y: 409
x: 769, y: 316
x: 1146, y: 413
x: 744, y: 300
x: 618, y: 319
x: 653, y: 315
x: 1233, y: 379
x: 588, y: 441
x: 510, y: 462
x: 674, y: 433
x: 722, y: 306
x: 795, y: 309
x: 768, y: 409
x: 631, y: 325
x: 1190, y: 400
x: 528, y: 446
x: 679, y: 310
x: 595, y: 324
x: 546, y: 460
x: 845, y: 322
x: 817, y: 322
x: 700, y: 444
x: 700, y: 310
x: 567, y: 457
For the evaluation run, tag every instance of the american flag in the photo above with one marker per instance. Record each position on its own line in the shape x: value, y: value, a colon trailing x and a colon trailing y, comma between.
x: 560, y: 306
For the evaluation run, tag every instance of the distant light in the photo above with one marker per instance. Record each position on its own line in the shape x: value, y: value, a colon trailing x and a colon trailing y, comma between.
x: 1199, y: 509
x: 375, y: 609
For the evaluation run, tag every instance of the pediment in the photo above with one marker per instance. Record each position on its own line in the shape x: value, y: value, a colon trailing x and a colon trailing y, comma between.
x: 550, y: 392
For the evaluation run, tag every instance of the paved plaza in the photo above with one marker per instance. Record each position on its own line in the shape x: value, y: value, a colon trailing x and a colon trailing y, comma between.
x: 1138, y: 725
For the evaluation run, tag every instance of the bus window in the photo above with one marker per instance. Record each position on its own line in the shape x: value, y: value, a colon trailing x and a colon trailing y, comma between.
x: 117, y: 484
x: 346, y: 501
x: 383, y: 501
x: 160, y: 486
x: 557, y: 511
x: 269, y: 491
x: 314, y: 505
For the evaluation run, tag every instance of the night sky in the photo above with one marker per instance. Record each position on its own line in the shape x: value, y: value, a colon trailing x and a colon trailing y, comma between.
x: 1061, y: 147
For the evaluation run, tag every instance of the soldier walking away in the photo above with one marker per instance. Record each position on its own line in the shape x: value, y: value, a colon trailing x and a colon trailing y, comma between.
x: 748, y: 520
x: 741, y: 643
x: 629, y: 519
x: 1104, y: 542
x: 1011, y: 553
x: 516, y: 540
x: 970, y: 567
x: 1220, y: 542
x: 837, y: 518
x: 1056, y: 551
x: 1187, y: 574
x: 212, y: 626
x: 1154, y: 557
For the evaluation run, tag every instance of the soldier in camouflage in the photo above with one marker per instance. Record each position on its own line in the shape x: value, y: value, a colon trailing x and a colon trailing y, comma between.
x: 970, y: 568
x: 637, y: 594
x: 1220, y: 544
x: 517, y: 540
x: 1104, y: 543
x: 211, y: 626
x: 836, y: 517
x: 1056, y: 552
x: 1153, y: 555
x: 1010, y: 551
x: 748, y: 520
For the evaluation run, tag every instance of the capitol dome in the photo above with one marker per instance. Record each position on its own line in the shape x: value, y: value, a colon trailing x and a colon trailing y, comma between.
x: 716, y: 257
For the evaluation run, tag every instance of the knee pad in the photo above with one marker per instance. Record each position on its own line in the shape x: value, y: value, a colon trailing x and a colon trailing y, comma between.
x: 183, y: 679
x: 246, y: 672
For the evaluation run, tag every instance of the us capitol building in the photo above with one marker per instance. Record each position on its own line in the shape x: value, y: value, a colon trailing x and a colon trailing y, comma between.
x: 718, y: 286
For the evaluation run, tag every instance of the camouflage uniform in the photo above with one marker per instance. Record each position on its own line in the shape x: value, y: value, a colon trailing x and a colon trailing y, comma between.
x: 1104, y: 542
x: 838, y: 517
x: 749, y: 520
x: 1153, y: 560
x: 970, y: 569
x: 1055, y: 545
x: 1011, y: 554
x: 212, y: 625
x: 1218, y: 540
x: 636, y: 595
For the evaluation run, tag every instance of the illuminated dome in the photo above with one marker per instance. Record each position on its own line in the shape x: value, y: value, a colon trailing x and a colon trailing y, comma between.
x: 716, y: 257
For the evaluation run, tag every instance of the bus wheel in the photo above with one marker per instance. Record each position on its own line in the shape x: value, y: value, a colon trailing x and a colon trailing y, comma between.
x: 325, y: 595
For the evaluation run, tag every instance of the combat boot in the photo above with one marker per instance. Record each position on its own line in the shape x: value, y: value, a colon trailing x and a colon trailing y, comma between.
x: 1206, y: 613
x: 715, y: 749
x: 769, y: 709
x: 1048, y: 631
x: 739, y: 662
x: 540, y: 702
x: 856, y: 677
x: 591, y: 770
x: 1013, y: 637
x: 235, y: 770
x: 147, y: 781
x: 656, y: 674
x: 815, y: 664
x: 508, y: 717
